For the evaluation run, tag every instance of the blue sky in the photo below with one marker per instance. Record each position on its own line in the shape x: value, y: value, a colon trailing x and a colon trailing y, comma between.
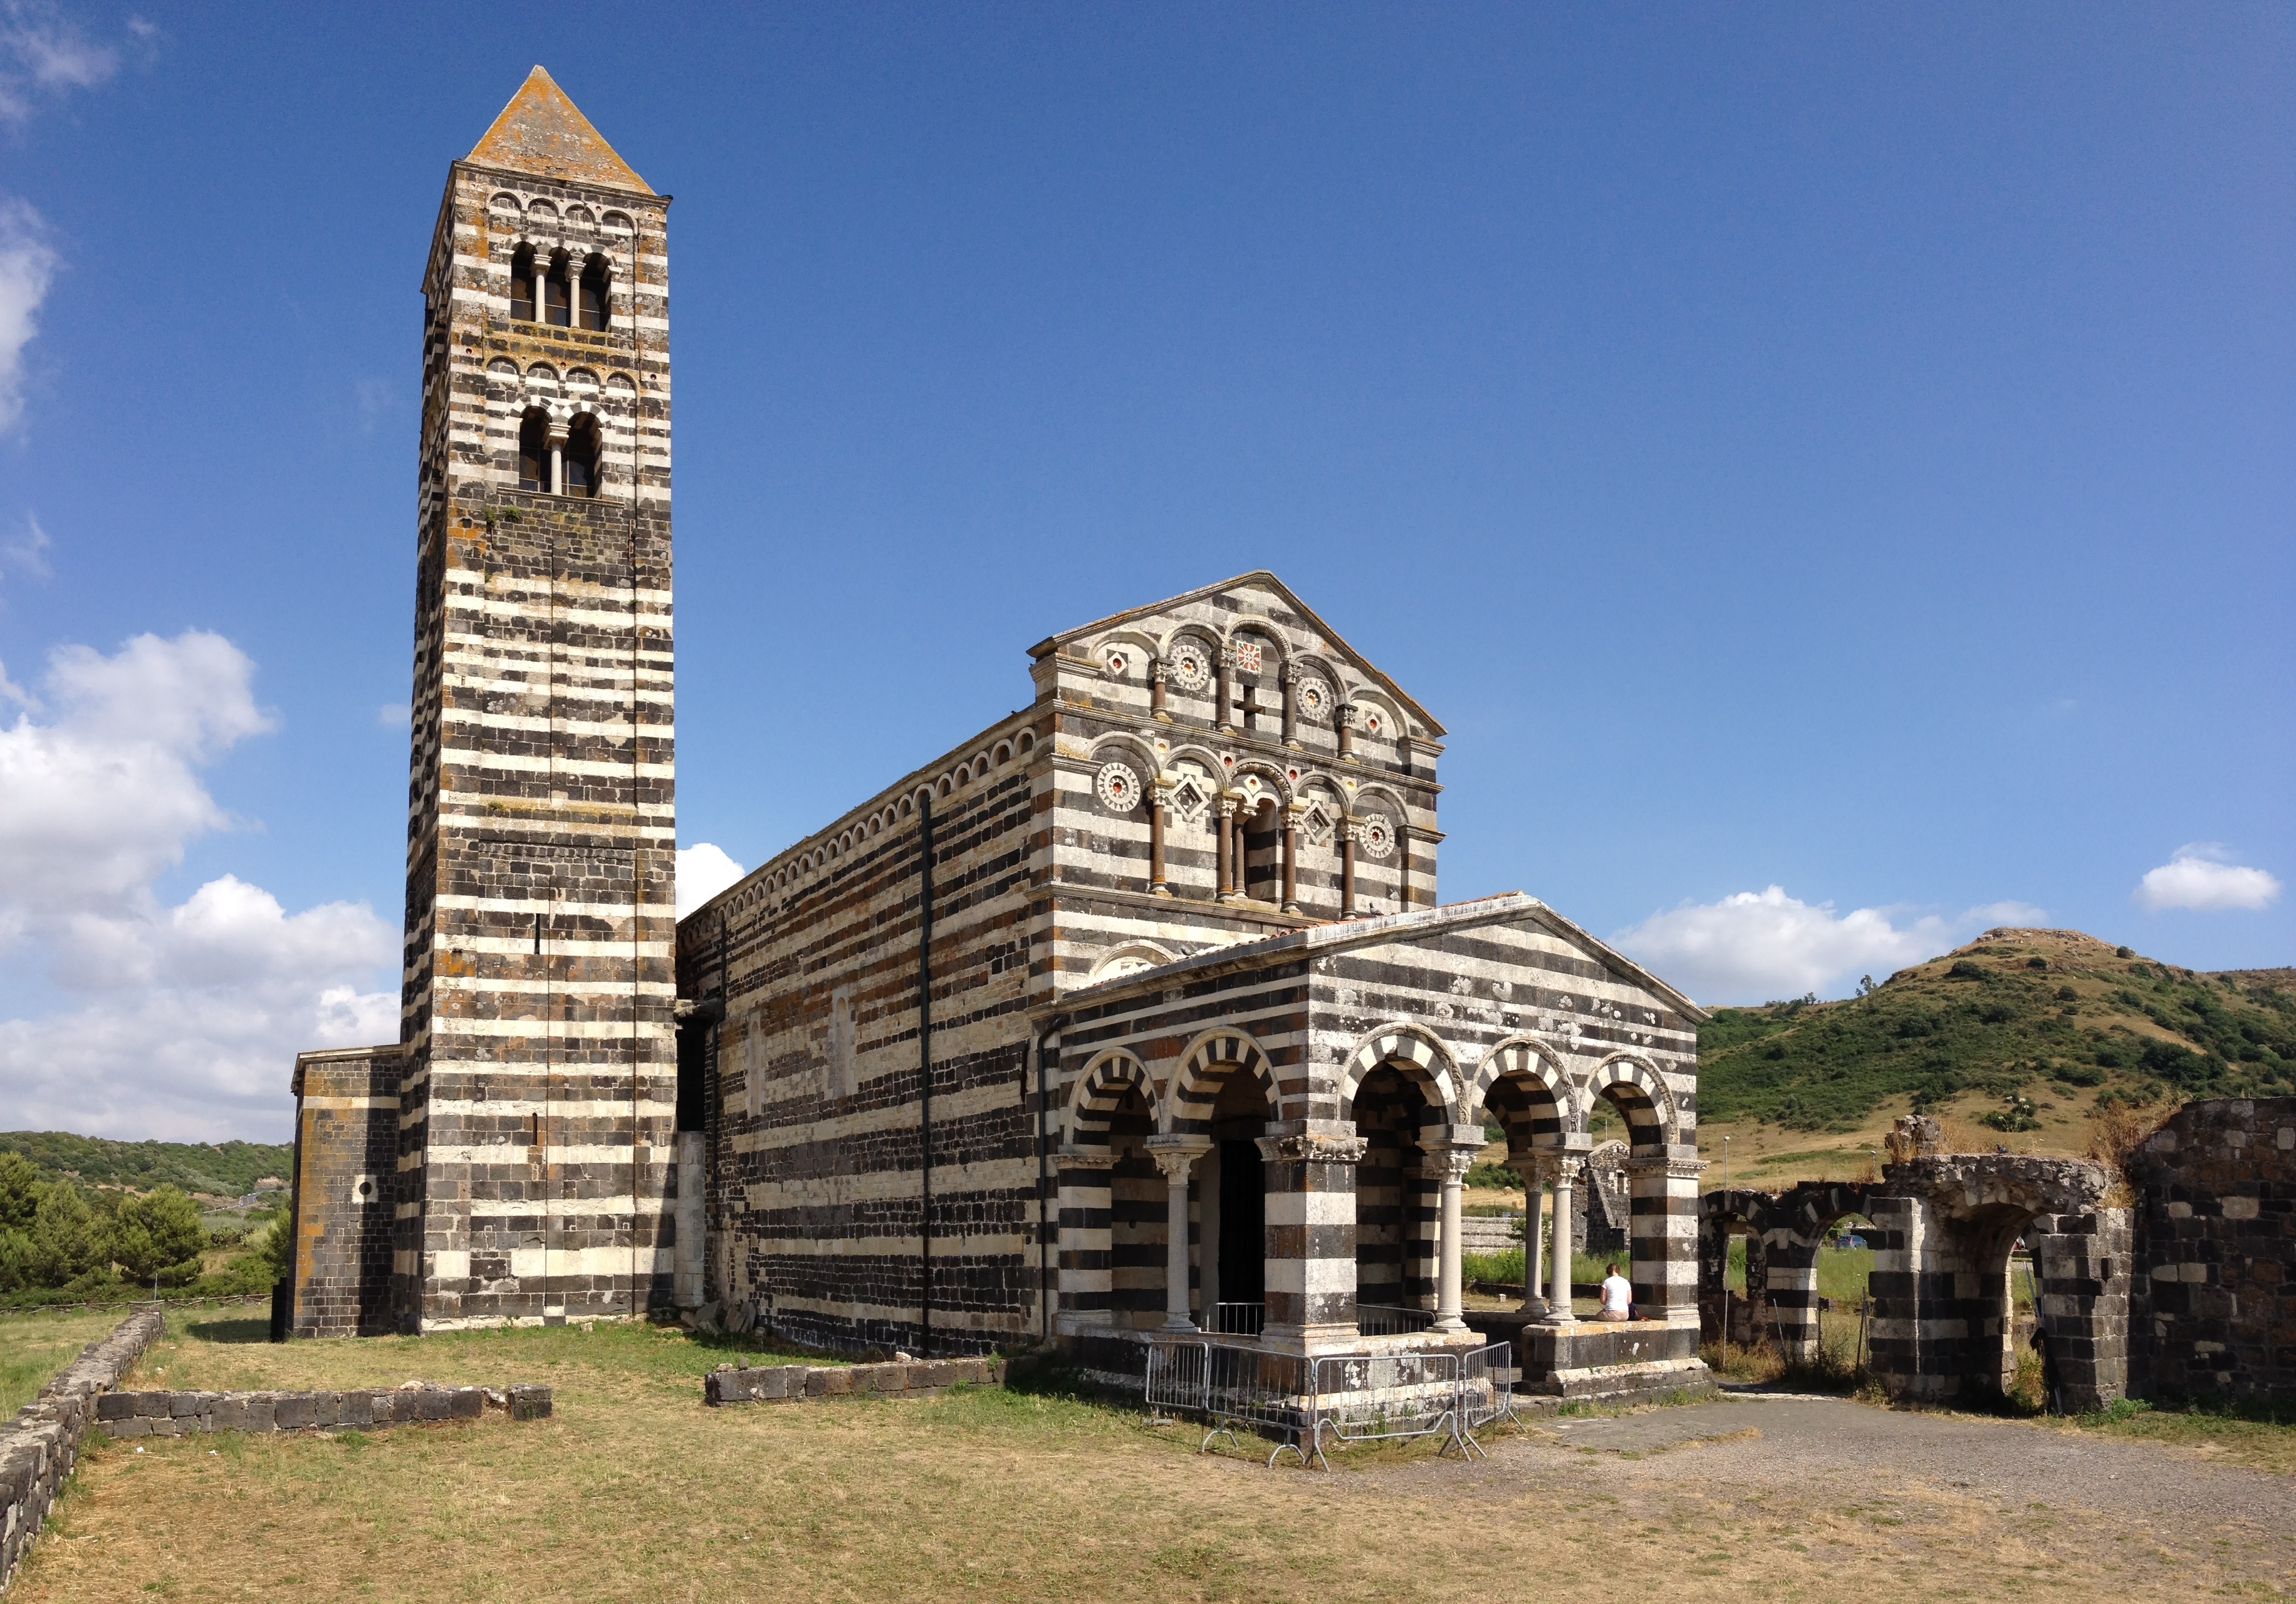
x: 1844, y: 450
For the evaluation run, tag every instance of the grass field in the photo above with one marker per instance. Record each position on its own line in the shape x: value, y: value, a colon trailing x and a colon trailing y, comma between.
x: 34, y: 1347
x: 634, y: 1491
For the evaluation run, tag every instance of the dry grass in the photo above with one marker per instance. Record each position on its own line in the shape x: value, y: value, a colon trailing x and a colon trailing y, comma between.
x: 634, y: 1491
x: 34, y: 1347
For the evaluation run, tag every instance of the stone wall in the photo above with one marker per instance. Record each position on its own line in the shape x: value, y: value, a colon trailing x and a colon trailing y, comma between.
x: 2214, y: 1300
x: 38, y: 1451
x: 159, y: 1414
x: 346, y: 1165
x: 900, y: 1378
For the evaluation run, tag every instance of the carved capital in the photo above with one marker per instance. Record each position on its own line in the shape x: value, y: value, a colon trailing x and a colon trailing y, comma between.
x: 1176, y: 1156
x: 1312, y: 1148
x: 1069, y: 1155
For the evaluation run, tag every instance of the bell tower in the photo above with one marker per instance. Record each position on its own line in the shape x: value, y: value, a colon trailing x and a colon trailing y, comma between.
x: 538, y: 1099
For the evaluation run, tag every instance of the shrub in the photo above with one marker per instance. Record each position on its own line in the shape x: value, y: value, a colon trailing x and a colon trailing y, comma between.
x: 2123, y: 953
x: 1967, y: 968
x: 2038, y: 963
x: 1496, y: 1177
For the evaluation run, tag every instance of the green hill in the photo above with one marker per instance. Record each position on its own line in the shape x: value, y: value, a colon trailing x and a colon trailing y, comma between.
x: 227, y: 1170
x: 2015, y: 1015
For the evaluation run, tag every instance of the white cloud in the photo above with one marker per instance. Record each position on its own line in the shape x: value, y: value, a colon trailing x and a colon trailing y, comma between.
x: 704, y: 870
x: 1761, y: 945
x: 2198, y: 876
x: 27, y: 266
x: 395, y: 716
x: 41, y: 49
x: 27, y: 553
x: 180, y: 1022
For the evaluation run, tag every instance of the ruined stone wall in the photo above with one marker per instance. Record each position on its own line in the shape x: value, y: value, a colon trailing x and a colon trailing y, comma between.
x: 538, y: 1101
x: 346, y: 1168
x: 39, y: 1448
x: 2214, y: 1312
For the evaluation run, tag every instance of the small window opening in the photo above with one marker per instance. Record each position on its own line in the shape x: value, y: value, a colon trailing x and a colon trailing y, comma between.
x: 534, y: 453
x: 582, y: 458
x: 521, y: 284
x: 557, y: 308
x: 593, y: 293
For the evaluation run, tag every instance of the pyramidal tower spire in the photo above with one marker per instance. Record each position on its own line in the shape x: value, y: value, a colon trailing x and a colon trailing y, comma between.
x: 537, y: 1105
x: 543, y: 133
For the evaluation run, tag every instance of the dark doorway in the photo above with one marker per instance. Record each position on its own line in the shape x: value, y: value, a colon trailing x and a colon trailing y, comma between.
x: 1243, y: 1224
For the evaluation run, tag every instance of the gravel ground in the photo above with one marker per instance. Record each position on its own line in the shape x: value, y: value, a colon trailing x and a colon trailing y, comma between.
x: 2001, y: 1461
x: 1887, y: 1501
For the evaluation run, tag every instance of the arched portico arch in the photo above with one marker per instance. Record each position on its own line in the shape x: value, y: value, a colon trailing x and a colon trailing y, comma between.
x: 1653, y: 1121
x: 1101, y: 1088
x: 1417, y: 1052
x: 1203, y: 1068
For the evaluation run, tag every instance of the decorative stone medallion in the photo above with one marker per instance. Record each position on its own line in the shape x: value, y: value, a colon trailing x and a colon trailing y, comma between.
x: 1374, y: 722
x: 1188, y: 667
x: 1377, y: 836
x: 1248, y: 657
x: 1314, y: 700
x: 1118, y: 788
x: 1116, y: 665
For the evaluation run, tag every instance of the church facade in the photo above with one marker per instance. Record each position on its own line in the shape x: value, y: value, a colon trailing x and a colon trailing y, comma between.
x: 1137, y: 1012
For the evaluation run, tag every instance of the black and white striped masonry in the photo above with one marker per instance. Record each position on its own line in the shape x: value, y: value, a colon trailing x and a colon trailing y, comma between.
x: 1201, y: 1038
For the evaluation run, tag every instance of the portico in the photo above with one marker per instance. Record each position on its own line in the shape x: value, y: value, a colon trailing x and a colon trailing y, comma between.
x: 1362, y: 1062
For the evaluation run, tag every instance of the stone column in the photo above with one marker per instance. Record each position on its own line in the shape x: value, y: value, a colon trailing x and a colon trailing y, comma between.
x: 1290, y: 708
x: 1343, y: 720
x: 1347, y: 832
x: 1290, y: 902
x: 1450, y: 1154
x: 1226, y: 831
x: 557, y: 438
x: 1309, y: 1165
x: 1224, y: 689
x: 1558, y: 1310
x: 1402, y: 866
x: 1176, y: 1156
x: 1157, y: 676
x: 1087, y: 1284
x: 1160, y: 801
x: 1532, y: 1168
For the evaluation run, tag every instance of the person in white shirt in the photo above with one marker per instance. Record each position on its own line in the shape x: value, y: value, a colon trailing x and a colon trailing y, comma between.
x: 1617, y: 1297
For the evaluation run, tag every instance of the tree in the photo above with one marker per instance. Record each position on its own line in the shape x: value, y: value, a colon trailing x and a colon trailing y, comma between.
x: 20, y: 1192
x: 69, y: 1237
x: 277, y: 1252
x: 1865, y: 986
x: 159, y: 1234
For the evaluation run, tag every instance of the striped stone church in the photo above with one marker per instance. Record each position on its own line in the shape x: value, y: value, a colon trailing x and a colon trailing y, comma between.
x: 1137, y: 1011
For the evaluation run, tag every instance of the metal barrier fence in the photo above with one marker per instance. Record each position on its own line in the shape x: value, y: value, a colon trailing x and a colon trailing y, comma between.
x: 1304, y: 1402
x: 1486, y: 1388
x: 1391, y: 1319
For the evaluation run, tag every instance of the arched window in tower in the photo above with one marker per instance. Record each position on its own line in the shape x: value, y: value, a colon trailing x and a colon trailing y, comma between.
x: 593, y: 302
x: 534, y: 453
x: 521, y: 284
x: 557, y: 293
x: 582, y: 457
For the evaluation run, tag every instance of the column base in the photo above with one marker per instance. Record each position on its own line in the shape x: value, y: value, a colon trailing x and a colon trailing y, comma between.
x: 1533, y: 1308
x: 1159, y: 890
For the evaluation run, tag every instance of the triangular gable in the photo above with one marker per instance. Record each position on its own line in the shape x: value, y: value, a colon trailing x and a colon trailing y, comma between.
x: 1506, y: 908
x: 1257, y: 576
x: 543, y: 133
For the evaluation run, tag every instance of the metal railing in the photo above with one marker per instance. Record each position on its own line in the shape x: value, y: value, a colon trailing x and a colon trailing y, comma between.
x: 1236, y: 1319
x: 1302, y: 1404
x: 1391, y: 1319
